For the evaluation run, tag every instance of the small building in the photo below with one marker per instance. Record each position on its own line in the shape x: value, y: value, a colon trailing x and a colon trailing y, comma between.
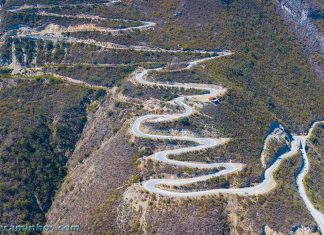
x: 214, y: 100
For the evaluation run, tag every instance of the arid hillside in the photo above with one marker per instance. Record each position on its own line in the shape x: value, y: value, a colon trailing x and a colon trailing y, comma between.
x: 75, y: 76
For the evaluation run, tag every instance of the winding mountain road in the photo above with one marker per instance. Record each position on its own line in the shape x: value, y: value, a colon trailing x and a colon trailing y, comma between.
x: 269, y: 183
x: 298, y: 143
x: 317, y: 215
x: 203, y: 143
x: 49, y: 6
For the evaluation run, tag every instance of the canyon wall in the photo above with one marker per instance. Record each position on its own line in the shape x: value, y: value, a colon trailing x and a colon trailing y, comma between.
x: 301, y: 16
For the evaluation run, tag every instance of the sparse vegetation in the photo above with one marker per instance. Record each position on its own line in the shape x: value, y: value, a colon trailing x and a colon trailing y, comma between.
x: 281, y: 209
x: 268, y: 80
x: 315, y: 178
x: 38, y: 132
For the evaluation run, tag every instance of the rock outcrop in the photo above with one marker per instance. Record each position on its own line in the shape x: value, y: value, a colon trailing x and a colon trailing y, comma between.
x: 2, y: 2
x: 275, y: 144
x: 298, y: 231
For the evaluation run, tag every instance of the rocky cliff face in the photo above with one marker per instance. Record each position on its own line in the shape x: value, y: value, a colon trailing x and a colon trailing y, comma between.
x: 299, y: 14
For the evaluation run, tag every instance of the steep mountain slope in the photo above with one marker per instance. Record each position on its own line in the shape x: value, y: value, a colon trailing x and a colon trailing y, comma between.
x: 316, y: 176
x: 306, y: 21
x: 268, y: 81
x: 38, y: 132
